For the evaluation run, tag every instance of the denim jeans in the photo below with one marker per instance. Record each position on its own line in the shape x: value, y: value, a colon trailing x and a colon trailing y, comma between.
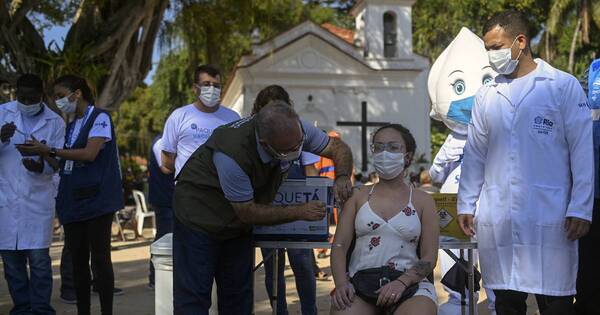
x: 199, y: 258
x: 164, y: 225
x: 301, y: 261
x: 31, y: 292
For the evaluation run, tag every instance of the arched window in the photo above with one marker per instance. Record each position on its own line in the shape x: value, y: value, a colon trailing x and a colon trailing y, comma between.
x: 389, y: 35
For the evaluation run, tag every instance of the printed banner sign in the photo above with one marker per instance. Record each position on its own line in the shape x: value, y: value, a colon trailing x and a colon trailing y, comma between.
x: 295, y: 191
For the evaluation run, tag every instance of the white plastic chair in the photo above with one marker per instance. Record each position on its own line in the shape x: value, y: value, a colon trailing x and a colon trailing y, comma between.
x: 142, y: 212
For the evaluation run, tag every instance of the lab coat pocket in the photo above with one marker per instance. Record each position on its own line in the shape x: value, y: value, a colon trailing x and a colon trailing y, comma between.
x: 488, y: 212
x: 547, y: 205
x: 543, y: 124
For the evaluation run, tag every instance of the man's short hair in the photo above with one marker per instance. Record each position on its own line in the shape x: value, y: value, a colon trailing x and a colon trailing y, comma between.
x: 208, y: 69
x: 268, y: 94
x: 30, y: 81
x: 511, y: 21
x: 275, y: 118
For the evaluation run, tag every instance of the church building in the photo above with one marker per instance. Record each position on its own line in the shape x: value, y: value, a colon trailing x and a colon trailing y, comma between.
x: 350, y: 81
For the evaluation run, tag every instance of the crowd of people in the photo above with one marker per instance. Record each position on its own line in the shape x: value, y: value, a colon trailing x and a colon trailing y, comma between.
x: 526, y: 193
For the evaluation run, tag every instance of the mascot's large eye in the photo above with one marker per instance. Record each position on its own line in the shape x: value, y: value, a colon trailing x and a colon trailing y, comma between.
x: 459, y: 87
x: 487, y: 79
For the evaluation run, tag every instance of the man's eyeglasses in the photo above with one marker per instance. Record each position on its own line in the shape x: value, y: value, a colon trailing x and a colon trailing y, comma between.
x: 285, y: 154
x: 209, y: 83
x: 394, y: 147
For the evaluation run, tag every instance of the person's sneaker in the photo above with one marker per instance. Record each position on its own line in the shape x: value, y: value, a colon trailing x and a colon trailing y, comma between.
x: 116, y: 291
x: 68, y: 298
x: 151, y: 286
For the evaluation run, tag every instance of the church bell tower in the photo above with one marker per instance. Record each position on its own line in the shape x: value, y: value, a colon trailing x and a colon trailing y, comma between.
x: 384, y: 28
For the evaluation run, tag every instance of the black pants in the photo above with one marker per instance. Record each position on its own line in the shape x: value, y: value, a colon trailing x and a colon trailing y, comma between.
x: 588, y: 276
x: 510, y: 302
x: 82, y: 238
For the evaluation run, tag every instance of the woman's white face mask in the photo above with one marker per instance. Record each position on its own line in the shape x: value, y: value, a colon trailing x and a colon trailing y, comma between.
x: 65, y: 105
x: 388, y: 165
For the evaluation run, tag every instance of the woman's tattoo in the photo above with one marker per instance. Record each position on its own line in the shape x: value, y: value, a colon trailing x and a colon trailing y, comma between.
x: 423, y: 268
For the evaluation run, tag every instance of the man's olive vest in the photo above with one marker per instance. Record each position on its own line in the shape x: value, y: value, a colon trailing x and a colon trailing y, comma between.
x: 199, y: 201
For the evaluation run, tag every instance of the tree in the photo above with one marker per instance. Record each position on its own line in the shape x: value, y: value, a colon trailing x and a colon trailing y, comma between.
x: 217, y: 32
x: 109, y: 42
x: 141, y: 117
x: 436, y: 22
x: 220, y: 32
x: 586, y: 14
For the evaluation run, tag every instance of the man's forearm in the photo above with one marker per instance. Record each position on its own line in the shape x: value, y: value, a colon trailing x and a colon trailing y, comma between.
x: 167, y: 162
x: 266, y: 214
x: 341, y: 155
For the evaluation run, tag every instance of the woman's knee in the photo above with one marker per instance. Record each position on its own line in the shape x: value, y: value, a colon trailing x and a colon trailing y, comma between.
x: 421, y: 305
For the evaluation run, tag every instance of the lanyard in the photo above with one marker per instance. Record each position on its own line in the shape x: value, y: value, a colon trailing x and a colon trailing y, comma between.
x: 70, y: 140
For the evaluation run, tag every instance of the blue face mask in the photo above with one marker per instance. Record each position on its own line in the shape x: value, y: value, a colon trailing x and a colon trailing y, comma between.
x: 460, y: 110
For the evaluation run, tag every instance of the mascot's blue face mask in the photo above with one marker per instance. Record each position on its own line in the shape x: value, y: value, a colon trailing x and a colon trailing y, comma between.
x: 460, y: 110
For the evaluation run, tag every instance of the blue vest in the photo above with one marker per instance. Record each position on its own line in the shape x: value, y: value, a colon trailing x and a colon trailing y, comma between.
x: 160, y: 185
x: 92, y: 189
x: 594, y: 100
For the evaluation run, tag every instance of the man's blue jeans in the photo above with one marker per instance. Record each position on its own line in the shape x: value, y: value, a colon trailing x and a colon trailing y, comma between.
x: 301, y: 261
x: 31, y: 292
x: 164, y: 225
x: 199, y: 258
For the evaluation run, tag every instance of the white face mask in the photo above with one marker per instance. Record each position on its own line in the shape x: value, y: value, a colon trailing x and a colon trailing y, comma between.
x: 388, y: 165
x: 65, y: 105
x: 501, y: 61
x: 209, y: 95
x: 29, y: 110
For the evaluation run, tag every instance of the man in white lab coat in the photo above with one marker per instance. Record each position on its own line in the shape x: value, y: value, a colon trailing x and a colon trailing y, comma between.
x: 527, y: 160
x: 27, y: 195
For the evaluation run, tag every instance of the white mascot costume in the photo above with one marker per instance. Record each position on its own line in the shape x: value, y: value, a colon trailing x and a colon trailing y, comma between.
x: 455, y: 77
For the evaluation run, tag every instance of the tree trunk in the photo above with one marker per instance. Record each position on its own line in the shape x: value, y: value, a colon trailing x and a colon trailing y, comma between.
x: 110, y: 43
x: 585, y: 23
x: 547, y: 46
x: 574, y: 45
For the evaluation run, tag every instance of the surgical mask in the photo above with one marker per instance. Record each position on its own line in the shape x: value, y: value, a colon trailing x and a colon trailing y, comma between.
x: 501, y: 61
x: 65, y: 105
x: 388, y: 164
x: 209, y: 95
x: 460, y: 110
x: 29, y: 110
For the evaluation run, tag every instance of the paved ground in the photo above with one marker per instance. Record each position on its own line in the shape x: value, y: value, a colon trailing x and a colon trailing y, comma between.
x: 131, y: 268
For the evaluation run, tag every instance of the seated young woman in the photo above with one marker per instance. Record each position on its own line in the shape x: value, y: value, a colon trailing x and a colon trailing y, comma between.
x: 395, y: 232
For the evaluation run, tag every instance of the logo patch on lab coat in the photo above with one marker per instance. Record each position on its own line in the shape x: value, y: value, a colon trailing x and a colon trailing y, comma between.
x: 542, y: 126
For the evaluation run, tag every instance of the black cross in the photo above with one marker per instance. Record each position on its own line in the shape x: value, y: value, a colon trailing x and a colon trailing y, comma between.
x: 363, y: 124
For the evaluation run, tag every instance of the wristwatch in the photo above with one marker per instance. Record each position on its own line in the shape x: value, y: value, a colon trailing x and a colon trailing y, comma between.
x: 52, y: 152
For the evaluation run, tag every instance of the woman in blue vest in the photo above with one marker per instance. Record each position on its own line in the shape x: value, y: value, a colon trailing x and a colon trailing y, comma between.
x: 90, y: 189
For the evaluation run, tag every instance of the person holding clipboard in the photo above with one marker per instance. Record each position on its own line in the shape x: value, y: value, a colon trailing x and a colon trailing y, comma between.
x: 90, y: 188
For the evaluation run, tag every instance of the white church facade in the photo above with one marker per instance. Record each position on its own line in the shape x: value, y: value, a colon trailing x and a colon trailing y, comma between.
x: 343, y: 79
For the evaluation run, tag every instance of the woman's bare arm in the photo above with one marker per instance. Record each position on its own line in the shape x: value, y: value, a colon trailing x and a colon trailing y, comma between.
x: 429, y: 245
x: 344, y: 234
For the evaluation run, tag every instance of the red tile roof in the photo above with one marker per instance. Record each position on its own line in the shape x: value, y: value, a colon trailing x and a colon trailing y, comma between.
x: 343, y: 33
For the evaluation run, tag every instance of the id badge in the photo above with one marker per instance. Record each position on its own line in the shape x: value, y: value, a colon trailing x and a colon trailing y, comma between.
x: 68, y: 167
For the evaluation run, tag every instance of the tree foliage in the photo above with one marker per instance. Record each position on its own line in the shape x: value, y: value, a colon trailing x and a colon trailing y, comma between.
x: 217, y: 32
x: 109, y: 42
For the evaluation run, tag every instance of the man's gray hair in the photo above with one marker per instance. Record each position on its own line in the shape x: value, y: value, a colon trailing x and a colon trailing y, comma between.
x: 277, y: 117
